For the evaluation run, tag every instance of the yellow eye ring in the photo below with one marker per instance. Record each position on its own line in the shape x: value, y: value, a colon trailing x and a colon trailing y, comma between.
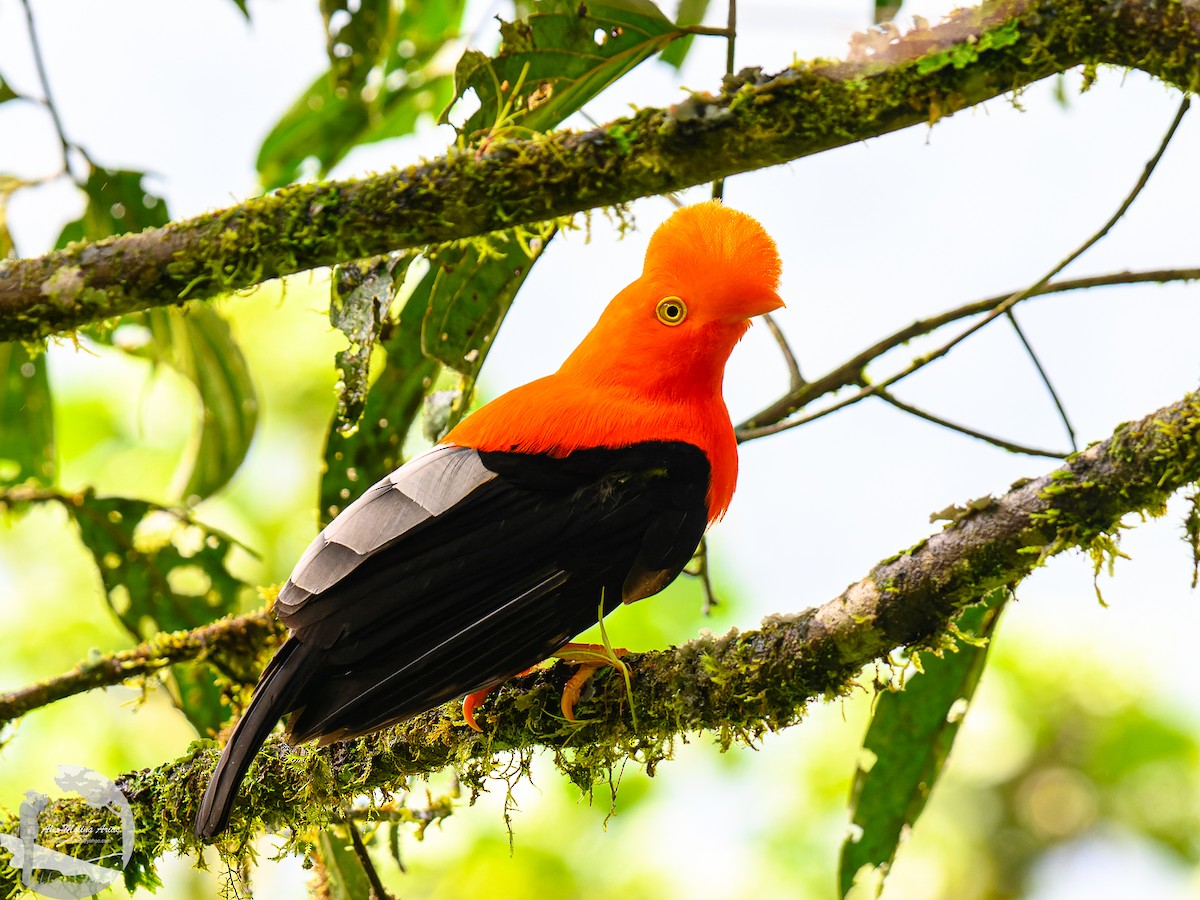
x: 671, y: 310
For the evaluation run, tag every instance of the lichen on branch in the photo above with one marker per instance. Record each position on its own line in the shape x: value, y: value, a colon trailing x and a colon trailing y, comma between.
x: 887, y: 83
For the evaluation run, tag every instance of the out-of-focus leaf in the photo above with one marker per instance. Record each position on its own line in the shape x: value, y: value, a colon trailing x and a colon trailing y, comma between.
x: 337, y: 113
x: 241, y: 5
x: 228, y: 403
x: 554, y: 61
x: 324, y: 127
x: 117, y: 203
x: 162, y: 572
x: 9, y: 184
x: 688, y: 12
x: 468, y: 293
x: 354, y: 462
x: 26, y: 418
x: 341, y: 874
x: 357, y: 32
x: 361, y: 295
x: 886, y: 10
x: 198, y: 343
x: 908, y: 740
x: 6, y: 91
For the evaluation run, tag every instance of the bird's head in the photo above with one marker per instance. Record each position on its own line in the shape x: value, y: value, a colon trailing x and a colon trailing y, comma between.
x: 709, y: 270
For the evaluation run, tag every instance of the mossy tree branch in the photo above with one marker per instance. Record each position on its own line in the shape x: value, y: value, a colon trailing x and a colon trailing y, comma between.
x: 243, y: 635
x: 885, y: 85
x: 738, y: 686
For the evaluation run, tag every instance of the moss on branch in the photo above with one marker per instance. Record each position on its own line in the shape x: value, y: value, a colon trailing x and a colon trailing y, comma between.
x: 756, y: 121
x: 243, y: 636
x: 737, y: 686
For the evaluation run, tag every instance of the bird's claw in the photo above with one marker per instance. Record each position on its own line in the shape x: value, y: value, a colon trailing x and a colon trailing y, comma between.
x: 589, y: 657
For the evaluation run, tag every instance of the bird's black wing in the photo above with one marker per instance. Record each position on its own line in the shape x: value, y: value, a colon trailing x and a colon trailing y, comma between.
x: 465, y: 567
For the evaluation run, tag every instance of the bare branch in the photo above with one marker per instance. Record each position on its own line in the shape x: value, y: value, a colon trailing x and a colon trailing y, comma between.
x: 718, y: 187
x: 795, y: 379
x: 47, y: 98
x: 851, y: 371
x: 963, y: 429
x: 1041, y: 370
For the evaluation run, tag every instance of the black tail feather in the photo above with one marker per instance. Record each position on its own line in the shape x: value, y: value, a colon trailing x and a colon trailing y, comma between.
x: 274, y: 696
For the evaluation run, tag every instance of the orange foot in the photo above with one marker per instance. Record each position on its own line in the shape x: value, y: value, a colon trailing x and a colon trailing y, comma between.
x: 589, y: 657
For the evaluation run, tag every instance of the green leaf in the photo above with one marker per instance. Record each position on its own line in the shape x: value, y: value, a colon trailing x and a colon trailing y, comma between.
x: 346, y: 107
x: 9, y: 185
x: 688, y: 12
x: 324, y: 127
x: 162, y: 572
x: 344, y: 875
x: 357, y: 33
x: 886, y: 10
x: 557, y: 59
x: 357, y: 460
x: 908, y: 740
x: 118, y: 202
x: 362, y: 293
x: 26, y: 418
x: 241, y: 5
x: 6, y: 91
x: 198, y: 343
x: 468, y: 293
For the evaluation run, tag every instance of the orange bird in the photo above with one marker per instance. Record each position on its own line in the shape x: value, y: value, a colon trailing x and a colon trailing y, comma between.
x: 570, y: 495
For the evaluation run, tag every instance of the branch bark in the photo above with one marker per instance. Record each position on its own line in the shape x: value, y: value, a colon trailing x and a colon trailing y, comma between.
x: 738, y: 686
x: 886, y: 84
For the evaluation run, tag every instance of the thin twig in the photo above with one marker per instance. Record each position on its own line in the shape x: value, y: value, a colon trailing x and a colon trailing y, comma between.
x: 969, y: 432
x: 1037, y: 364
x: 795, y: 379
x: 48, y: 98
x: 718, y: 187
x: 360, y: 849
x: 999, y: 310
x: 704, y: 573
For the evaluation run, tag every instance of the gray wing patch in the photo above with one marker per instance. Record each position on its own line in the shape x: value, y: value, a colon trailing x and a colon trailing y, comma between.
x: 438, y: 479
x: 424, y: 487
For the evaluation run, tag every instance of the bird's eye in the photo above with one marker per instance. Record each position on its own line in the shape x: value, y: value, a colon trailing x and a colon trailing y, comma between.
x: 671, y: 310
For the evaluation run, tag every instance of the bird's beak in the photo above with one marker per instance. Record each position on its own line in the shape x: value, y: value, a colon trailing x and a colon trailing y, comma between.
x: 765, y: 304
x: 741, y: 308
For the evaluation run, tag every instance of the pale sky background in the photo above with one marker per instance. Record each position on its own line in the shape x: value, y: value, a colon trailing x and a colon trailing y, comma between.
x: 872, y: 236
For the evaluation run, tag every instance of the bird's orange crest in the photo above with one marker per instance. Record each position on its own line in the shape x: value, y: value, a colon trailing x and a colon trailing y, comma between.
x: 723, y: 251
